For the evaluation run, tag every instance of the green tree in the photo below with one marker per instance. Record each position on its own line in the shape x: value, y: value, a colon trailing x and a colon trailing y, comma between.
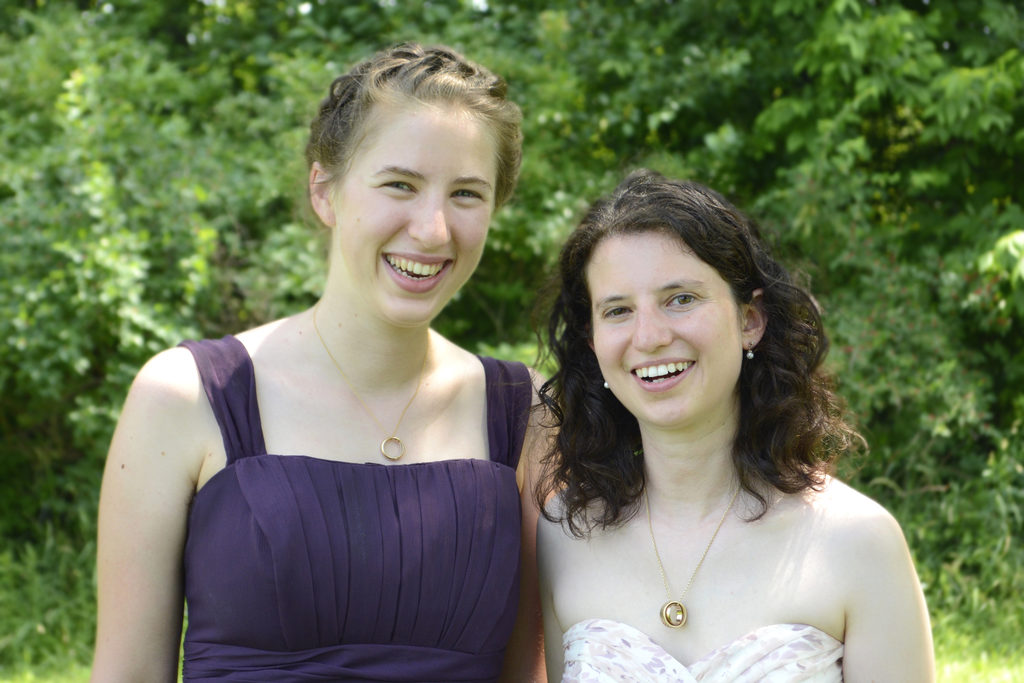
x: 152, y: 189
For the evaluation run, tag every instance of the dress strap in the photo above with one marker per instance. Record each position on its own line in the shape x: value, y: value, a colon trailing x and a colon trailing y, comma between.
x: 230, y: 383
x: 509, y: 396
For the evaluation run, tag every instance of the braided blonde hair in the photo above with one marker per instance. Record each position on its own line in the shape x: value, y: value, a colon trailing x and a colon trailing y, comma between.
x: 430, y: 75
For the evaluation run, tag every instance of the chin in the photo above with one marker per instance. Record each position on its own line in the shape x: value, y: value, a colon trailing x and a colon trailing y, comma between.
x: 411, y: 316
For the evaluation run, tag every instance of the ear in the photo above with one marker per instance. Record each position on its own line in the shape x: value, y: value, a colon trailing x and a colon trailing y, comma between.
x: 754, y: 320
x: 320, y: 198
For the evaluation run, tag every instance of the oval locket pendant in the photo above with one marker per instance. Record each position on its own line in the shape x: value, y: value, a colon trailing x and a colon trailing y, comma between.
x: 673, y: 614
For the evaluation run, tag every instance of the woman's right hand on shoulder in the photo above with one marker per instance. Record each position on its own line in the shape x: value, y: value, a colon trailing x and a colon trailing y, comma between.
x: 165, y: 431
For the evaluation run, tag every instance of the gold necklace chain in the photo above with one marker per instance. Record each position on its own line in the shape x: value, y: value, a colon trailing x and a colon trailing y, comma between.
x: 390, y: 439
x: 673, y: 612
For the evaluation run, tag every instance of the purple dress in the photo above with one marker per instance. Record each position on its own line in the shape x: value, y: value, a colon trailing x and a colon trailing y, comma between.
x: 303, y: 569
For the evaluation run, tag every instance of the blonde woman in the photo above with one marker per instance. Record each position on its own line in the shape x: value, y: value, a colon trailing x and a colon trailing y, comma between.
x: 336, y: 495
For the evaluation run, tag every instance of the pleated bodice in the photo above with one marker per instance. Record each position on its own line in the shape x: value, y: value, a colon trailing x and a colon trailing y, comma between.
x: 299, y: 568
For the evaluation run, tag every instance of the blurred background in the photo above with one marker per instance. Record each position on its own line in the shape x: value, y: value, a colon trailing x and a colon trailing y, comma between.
x: 152, y: 188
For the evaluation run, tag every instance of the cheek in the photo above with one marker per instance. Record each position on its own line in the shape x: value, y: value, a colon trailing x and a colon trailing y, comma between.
x: 479, y: 238
x: 470, y: 244
x: 478, y: 228
x: 607, y: 347
x: 715, y: 328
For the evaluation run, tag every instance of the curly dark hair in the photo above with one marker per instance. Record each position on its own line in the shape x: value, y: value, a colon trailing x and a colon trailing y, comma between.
x: 791, y: 427
x: 432, y: 74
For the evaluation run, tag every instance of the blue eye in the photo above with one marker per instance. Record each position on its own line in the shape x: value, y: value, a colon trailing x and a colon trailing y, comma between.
x: 467, y: 194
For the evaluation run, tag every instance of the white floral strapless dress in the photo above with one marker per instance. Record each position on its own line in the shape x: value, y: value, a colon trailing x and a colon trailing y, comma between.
x: 602, y: 650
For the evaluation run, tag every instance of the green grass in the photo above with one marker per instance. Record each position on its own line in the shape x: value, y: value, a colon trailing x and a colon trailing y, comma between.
x: 74, y: 673
x: 981, y: 670
x: 980, y: 667
x: 958, y: 660
x: 993, y: 657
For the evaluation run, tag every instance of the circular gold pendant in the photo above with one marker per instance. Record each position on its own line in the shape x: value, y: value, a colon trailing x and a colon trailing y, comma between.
x: 673, y: 614
x: 390, y: 440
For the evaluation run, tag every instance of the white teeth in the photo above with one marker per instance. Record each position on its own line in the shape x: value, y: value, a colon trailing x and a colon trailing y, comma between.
x: 410, y: 267
x: 653, y: 371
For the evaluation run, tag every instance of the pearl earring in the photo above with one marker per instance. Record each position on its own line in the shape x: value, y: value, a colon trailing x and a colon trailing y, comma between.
x: 606, y: 385
x: 750, y: 354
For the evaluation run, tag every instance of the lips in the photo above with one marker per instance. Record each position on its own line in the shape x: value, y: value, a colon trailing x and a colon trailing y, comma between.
x: 661, y: 372
x: 414, y: 269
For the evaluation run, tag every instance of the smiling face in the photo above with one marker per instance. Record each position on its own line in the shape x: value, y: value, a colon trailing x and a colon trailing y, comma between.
x: 410, y: 214
x: 668, y: 333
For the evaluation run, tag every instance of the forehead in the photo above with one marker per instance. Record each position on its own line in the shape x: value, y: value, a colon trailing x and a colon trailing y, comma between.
x: 416, y: 131
x: 629, y: 264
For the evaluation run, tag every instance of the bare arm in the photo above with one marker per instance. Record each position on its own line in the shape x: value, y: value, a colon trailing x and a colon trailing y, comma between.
x: 524, y: 658
x: 150, y: 478
x: 888, y: 637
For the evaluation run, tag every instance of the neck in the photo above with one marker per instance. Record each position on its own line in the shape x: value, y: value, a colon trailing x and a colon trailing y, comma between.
x: 375, y: 357
x: 694, y: 472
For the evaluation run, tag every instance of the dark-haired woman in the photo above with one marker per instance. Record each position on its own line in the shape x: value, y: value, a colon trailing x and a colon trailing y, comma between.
x: 336, y: 495
x: 696, y: 532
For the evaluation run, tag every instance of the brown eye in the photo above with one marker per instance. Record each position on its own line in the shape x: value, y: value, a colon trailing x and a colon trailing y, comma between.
x: 615, y: 312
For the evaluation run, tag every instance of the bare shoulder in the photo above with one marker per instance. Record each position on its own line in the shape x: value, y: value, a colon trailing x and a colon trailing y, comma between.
x: 851, y: 518
x: 554, y: 532
x: 887, y: 635
x: 554, y: 509
x: 278, y: 332
x: 170, y: 374
x: 166, y: 388
x: 451, y: 354
x: 166, y: 413
x: 164, y: 433
x: 551, y: 531
x: 864, y: 541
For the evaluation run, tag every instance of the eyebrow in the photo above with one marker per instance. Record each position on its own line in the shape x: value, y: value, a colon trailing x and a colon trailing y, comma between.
x: 675, y: 284
x: 683, y: 284
x: 409, y: 173
x: 608, y: 300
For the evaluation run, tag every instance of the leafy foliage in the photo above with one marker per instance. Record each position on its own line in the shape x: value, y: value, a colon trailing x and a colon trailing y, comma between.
x: 152, y: 189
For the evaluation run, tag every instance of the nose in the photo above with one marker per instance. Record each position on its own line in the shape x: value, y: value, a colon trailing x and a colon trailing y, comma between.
x: 430, y: 225
x: 651, y: 332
